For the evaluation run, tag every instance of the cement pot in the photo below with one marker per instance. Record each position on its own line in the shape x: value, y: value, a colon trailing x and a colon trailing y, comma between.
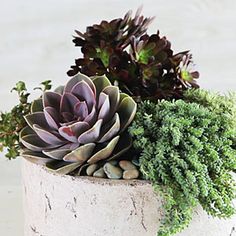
x: 56, y: 205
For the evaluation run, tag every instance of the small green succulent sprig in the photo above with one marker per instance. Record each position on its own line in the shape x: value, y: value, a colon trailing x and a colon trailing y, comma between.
x: 11, y: 123
x: 188, y: 150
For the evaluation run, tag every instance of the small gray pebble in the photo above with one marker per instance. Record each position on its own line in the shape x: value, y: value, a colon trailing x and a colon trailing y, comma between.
x: 131, y: 174
x: 91, y: 169
x: 127, y: 165
x: 112, y: 172
x: 100, y: 173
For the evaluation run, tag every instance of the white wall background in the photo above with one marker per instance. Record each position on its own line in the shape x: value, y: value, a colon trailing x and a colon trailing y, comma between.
x: 35, y: 45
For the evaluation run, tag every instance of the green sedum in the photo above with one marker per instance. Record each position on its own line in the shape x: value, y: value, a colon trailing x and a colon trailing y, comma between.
x: 188, y: 151
x: 12, y: 122
x: 214, y: 102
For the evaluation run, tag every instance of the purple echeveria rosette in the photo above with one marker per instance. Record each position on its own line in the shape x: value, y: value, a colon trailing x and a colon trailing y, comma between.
x: 78, y: 124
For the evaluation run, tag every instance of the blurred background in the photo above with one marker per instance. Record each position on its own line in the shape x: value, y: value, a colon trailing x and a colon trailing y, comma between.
x: 35, y: 45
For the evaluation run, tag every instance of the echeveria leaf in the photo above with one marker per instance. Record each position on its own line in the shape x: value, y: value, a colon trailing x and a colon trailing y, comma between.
x: 81, y: 154
x: 57, y: 154
x: 92, y: 116
x: 81, y: 110
x: 37, y: 105
x: 60, y: 90
x: 34, y: 143
x: 78, y: 78
x: 126, y: 111
x: 47, y: 136
x: 110, y: 129
x: 83, y: 91
x: 100, y: 83
x: 52, y: 99
x: 26, y: 131
x: 72, y: 132
x: 124, y: 144
x: 36, y: 118
x: 92, y: 134
x: 68, y: 102
x: 61, y: 167
x: 105, y: 152
x: 105, y: 109
x: 114, y: 98
x: 52, y: 117
x: 35, y: 157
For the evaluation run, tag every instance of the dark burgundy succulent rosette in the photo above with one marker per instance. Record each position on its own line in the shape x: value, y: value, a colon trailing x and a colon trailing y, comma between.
x: 144, y: 66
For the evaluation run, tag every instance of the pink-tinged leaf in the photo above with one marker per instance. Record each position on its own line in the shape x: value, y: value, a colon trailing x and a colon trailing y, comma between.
x: 100, y: 83
x: 47, y: 136
x: 68, y: 118
x: 37, y: 118
x: 92, y: 116
x: 72, y: 132
x: 105, y: 110
x: 105, y: 152
x: 102, y: 98
x: 52, y: 117
x: 52, y: 99
x: 57, y: 154
x: 74, y: 146
x: 81, y: 110
x: 67, y: 133
x: 92, y: 134
x: 114, y: 98
x: 34, y: 143
x: 68, y: 102
x: 126, y: 111
x: 110, y: 129
x: 84, y: 93
x: 79, y: 127
x: 78, y: 78
x: 81, y: 154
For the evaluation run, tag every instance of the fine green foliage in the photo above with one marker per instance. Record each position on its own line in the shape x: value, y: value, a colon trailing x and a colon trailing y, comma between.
x: 11, y: 123
x: 188, y: 152
x: 215, y: 102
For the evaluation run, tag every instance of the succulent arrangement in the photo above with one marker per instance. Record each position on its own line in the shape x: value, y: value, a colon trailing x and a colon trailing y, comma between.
x: 132, y: 109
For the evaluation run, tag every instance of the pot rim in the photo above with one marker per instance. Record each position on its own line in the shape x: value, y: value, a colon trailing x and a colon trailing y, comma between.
x: 91, y: 179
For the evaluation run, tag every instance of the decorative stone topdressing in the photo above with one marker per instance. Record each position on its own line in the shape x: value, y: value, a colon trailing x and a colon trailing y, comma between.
x: 57, y: 205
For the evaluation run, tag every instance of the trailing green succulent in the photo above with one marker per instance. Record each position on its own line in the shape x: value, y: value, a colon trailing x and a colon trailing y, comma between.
x: 79, y: 124
x: 11, y: 123
x: 143, y: 65
x: 188, y: 151
x: 215, y: 102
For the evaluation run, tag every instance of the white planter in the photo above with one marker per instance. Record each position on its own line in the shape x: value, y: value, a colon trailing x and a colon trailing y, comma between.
x: 58, y: 205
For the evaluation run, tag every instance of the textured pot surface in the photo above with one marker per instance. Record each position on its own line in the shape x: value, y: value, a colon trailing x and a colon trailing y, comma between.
x: 58, y: 205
